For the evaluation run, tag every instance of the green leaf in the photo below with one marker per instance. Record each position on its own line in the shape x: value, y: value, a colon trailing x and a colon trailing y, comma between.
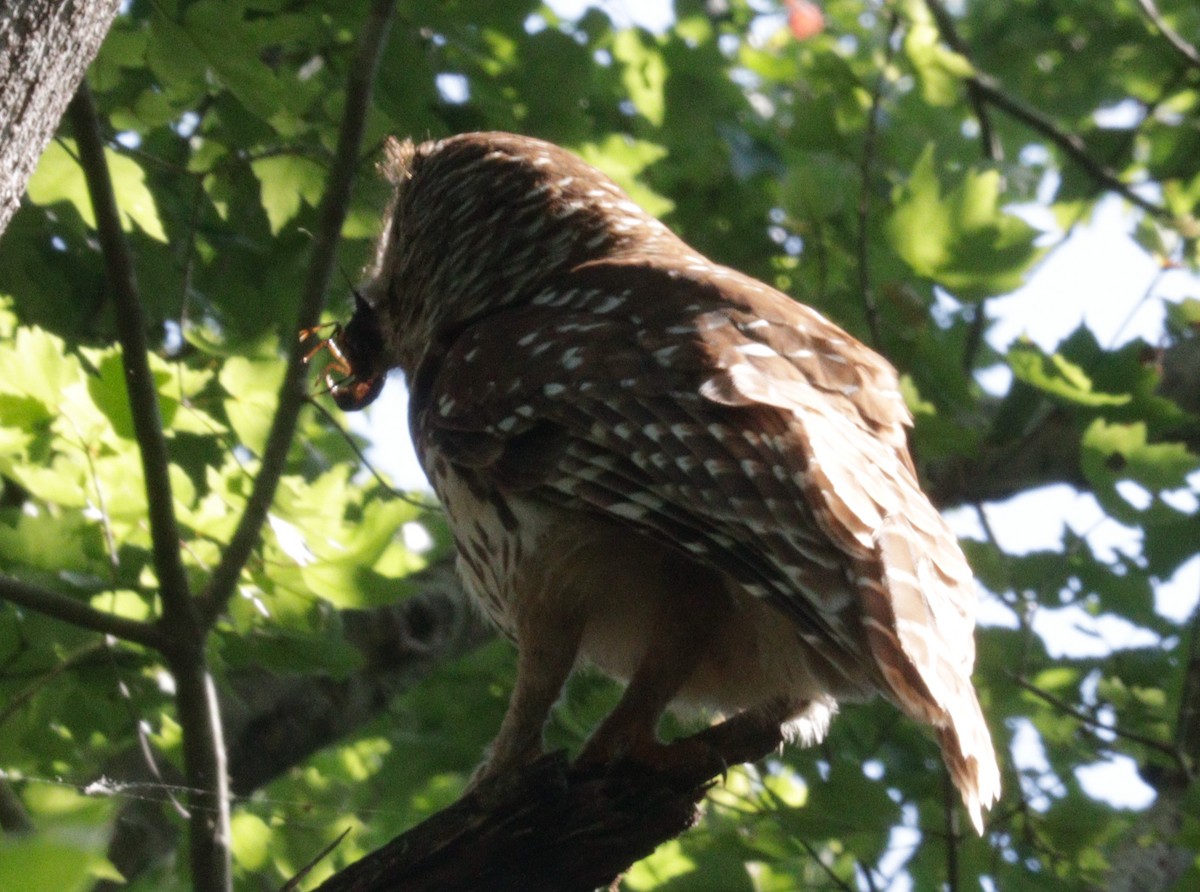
x: 250, y: 839
x: 624, y: 160
x: 1113, y: 452
x: 940, y: 70
x: 230, y: 52
x: 1183, y: 317
x: 61, y: 861
x: 286, y: 180
x: 961, y: 239
x: 644, y: 73
x: 60, y: 178
x: 254, y: 388
x: 1056, y: 375
x: 38, y: 367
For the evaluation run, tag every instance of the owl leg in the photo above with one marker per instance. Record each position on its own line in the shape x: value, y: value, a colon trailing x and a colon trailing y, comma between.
x: 692, y: 603
x: 543, y: 664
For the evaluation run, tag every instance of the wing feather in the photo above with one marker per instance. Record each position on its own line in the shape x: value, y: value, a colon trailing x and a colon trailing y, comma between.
x: 716, y: 415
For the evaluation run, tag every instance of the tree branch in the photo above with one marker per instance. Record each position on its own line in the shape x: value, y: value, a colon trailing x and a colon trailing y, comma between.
x: 1089, y: 721
x: 992, y: 149
x: 331, y: 213
x: 524, y: 832
x: 870, y: 140
x: 275, y: 722
x: 1181, y: 46
x: 183, y: 634
x: 982, y: 87
x: 1072, y: 144
x: 61, y: 607
x: 143, y: 397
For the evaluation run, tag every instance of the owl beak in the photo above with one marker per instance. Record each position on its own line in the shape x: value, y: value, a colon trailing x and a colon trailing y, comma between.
x: 357, y: 393
x: 361, y: 343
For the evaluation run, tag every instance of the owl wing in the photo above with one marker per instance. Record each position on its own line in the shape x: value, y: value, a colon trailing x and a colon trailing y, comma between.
x: 705, y: 410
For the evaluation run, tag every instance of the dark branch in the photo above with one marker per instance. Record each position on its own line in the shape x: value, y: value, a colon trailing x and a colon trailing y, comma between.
x: 992, y: 149
x: 274, y: 722
x: 331, y: 213
x: 1072, y: 144
x: 983, y: 88
x: 555, y: 828
x: 77, y: 613
x: 131, y: 332
x: 1067, y: 709
x: 870, y: 141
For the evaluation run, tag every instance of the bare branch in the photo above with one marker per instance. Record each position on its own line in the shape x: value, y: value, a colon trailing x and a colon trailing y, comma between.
x: 423, y: 504
x: 1181, y: 46
x: 60, y: 607
x: 331, y: 213
x: 131, y: 332
x: 1072, y: 144
x: 982, y: 87
x: 870, y: 141
x: 1067, y: 709
x: 992, y: 149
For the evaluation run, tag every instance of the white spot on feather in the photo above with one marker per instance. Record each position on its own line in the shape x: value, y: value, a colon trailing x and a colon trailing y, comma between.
x: 754, y: 348
x: 610, y: 303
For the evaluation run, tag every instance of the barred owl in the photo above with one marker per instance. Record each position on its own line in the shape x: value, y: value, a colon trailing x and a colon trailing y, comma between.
x: 658, y: 465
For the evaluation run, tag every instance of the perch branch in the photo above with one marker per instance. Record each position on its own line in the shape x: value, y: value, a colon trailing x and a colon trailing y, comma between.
x: 527, y: 832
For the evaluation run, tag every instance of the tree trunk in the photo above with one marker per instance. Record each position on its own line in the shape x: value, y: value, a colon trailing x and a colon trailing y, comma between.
x: 45, y: 47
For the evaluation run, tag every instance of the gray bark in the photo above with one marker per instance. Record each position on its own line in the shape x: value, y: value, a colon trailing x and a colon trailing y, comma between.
x: 45, y: 47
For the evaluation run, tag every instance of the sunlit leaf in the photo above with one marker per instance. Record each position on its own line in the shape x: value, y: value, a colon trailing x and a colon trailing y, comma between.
x: 1059, y: 377
x: 60, y: 178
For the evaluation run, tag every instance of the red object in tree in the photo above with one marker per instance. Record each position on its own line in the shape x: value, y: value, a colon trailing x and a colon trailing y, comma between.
x: 805, y: 19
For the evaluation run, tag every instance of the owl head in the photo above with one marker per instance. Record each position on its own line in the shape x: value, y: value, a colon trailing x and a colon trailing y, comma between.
x: 482, y: 222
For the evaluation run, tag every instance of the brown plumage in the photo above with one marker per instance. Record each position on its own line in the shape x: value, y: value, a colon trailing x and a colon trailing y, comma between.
x: 660, y: 465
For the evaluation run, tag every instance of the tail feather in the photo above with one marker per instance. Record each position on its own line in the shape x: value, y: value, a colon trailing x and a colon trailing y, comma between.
x: 971, y: 760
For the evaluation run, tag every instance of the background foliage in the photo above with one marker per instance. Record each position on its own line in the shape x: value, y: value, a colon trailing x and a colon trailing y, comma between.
x: 871, y: 170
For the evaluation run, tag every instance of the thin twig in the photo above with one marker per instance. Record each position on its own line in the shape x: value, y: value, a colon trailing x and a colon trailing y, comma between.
x: 18, y: 700
x: 983, y: 87
x: 1187, y: 726
x: 864, y: 196
x: 61, y: 607
x: 816, y: 856
x: 1063, y: 706
x: 868, y: 875
x: 990, y: 142
x: 332, y: 211
x: 131, y: 332
x: 366, y: 463
x: 1181, y: 46
x: 1072, y: 144
x: 1147, y: 295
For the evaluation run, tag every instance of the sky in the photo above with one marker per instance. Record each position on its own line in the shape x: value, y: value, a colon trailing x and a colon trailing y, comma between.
x: 1098, y: 276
